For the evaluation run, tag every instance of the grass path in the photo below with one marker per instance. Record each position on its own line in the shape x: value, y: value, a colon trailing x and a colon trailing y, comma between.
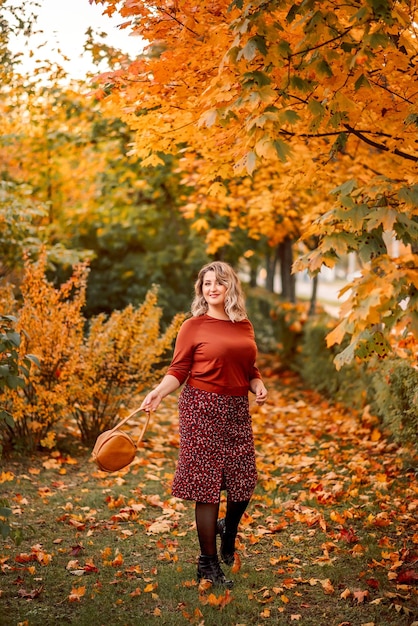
x: 330, y: 538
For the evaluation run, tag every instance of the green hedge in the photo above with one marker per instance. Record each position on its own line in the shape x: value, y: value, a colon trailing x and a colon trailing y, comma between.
x: 393, y: 397
x: 389, y: 386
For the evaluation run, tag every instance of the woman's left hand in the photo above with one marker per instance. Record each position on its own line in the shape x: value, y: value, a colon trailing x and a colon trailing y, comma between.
x: 258, y: 388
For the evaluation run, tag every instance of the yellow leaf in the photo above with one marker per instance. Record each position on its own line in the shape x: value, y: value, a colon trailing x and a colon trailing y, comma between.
x: 208, y: 118
x: 76, y: 594
x: 216, y: 190
x: 6, y: 477
x: 237, y: 563
x: 336, y: 335
x: 200, y: 225
x: 376, y: 435
x: 152, y: 160
x: 327, y: 586
x: 117, y: 561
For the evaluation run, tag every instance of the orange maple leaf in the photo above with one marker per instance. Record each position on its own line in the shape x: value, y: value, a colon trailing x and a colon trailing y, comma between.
x: 217, y: 601
x: 76, y: 594
x: 360, y: 595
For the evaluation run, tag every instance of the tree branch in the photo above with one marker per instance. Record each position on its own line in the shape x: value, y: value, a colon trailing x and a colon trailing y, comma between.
x: 171, y: 16
x: 393, y: 93
x: 379, y: 146
x: 359, y: 134
x: 321, y: 45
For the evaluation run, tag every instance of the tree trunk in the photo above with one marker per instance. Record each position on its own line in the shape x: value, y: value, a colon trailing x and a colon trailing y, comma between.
x: 253, y: 275
x: 312, y: 302
x: 285, y: 254
x: 271, y: 262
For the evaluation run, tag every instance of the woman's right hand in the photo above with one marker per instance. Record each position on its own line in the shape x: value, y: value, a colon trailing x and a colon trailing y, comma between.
x: 151, y: 401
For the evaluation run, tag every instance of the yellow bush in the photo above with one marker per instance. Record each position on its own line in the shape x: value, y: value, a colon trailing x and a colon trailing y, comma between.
x: 51, y: 323
x: 93, y: 376
x: 120, y: 357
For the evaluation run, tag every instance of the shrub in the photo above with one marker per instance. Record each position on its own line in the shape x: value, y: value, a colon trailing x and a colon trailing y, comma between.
x: 14, y: 371
x: 13, y: 374
x: 53, y: 324
x: 389, y: 386
x: 91, y: 377
x: 315, y: 364
x: 120, y: 357
x: 394, y: 398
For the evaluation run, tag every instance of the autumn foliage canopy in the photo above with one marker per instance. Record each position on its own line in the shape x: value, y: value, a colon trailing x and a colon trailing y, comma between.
x: 292, y: 120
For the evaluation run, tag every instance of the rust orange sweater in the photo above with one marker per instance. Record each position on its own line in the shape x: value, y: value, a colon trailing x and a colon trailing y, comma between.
x: 215, y: 355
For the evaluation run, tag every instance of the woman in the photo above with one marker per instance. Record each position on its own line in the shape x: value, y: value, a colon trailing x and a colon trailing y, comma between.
x: 215, y: 356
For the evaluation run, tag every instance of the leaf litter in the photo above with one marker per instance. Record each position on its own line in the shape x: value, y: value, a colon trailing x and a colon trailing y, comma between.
x: 333, y: 521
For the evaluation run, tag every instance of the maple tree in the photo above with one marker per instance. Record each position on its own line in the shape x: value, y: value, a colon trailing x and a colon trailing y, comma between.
x: 69, y: 184
x: 322, y: 92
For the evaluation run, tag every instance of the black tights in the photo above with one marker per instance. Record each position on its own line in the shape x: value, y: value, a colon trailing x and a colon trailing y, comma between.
x: 206, y: 516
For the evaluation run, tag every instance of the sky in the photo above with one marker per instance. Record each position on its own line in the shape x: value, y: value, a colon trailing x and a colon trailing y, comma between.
x: 64, y: 23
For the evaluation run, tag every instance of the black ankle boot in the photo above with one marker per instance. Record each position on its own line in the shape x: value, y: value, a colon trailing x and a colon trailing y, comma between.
x: 209, y: 568
x: 227, y: 542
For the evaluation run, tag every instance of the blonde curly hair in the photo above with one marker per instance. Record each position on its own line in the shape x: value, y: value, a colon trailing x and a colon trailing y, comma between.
x: 234, y: 296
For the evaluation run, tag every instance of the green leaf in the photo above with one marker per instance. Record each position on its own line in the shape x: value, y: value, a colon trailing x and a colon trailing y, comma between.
x: 314, y: 22
x: 14, y: 338
x: 377, y: 40
x: 34, y: 359
x: 289, y: 117
x: 248, y: 52
x: 412, y: 119
x: 346, y: 188
x: 284, y: 49
x: 324, y: 69
x: 4, y: 371
x: 371, y: 246
x: 361, y: 81
x: 316, y: 108
x: 409, y: 195
x: 381, y: 216
x: 293, y: 11
x: 336, y: 119
x: 377, y: 344
x: 340, y: 143
x: 13, y: 382
x: 301, y: 84
x: 7, y: 417
x: 260, y: 43
x: 361, y: 15
x: 354, y: 216
x: 382, y: 10
x: 257, y: 77
x: 283, y: 149
x: 9, y: 318
x: 348, y: 47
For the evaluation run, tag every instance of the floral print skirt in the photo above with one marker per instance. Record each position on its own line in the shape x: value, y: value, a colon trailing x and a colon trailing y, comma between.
x: 216, y: 447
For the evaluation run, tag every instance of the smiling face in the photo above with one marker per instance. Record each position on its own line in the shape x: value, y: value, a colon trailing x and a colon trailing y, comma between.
x: 214, y: 293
